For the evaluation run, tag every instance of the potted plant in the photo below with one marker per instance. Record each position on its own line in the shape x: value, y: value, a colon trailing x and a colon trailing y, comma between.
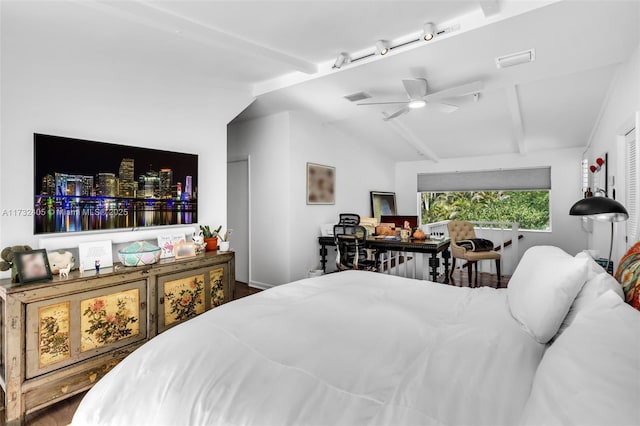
x: 224, y: 240
x: 210, y: 237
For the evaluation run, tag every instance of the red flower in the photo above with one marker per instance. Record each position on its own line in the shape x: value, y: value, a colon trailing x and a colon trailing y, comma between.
x: 98, y: 305
x: 185, y: 300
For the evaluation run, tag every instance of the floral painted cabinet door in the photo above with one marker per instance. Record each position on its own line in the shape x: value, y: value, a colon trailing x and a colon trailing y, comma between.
x: 64, y: 330
x: 185, y: 295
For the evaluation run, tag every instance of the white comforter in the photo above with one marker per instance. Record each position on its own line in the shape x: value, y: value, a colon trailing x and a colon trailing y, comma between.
x: 354, y: 348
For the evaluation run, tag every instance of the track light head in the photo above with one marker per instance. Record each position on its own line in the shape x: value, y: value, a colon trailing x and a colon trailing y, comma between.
x: 342, y: 59
x: 428, y: 31
x: 382, y: 47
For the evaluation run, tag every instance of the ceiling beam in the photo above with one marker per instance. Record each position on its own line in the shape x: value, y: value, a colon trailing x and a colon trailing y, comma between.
x: 160, y: 18
x: 489, y: 7
x: 513, y: 104
x: 407, y: 134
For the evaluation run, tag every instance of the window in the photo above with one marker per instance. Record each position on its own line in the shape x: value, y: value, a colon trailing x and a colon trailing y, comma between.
x: 518, y: 195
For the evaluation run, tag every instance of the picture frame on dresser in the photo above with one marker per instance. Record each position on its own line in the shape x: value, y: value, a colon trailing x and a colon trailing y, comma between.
x: 32, y: 266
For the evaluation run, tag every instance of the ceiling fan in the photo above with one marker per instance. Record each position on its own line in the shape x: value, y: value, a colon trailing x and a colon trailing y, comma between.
x: 417, y: 92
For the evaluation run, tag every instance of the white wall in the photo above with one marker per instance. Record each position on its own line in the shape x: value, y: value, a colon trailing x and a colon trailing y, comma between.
x: 284, y: 228
x: 620, y: 108
x: 565, y: 190
x: 358, y: 171
x: 266, y: 140
x: 56, y: 89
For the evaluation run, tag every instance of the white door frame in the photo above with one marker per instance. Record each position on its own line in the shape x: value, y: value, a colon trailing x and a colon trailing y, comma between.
x: 248, y: 160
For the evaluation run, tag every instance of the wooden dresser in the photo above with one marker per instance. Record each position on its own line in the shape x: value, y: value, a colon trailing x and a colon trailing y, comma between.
x: 59, y: 337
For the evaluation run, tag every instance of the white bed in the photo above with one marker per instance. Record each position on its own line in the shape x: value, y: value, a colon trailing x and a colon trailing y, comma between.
x: 353, y: 348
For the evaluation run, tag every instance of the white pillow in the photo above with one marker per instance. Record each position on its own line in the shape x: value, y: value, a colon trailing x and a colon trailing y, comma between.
x: 598, y: 282
x: 591, y: 374
x: 542, y: 289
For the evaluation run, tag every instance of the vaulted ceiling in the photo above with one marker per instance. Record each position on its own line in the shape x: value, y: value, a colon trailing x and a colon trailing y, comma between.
x: 284, y: 51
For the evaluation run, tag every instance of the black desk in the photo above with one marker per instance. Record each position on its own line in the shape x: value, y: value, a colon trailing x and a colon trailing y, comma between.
x: 432, y: 247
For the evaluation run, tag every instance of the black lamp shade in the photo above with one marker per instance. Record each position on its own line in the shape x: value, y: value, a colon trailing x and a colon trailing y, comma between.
x: 600, y: 208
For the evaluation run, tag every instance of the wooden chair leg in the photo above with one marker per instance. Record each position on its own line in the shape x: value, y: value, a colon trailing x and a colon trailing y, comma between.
x: 469, y: 271
x: 453, y: 267
x: 498, y: 272
x: 476, y: 280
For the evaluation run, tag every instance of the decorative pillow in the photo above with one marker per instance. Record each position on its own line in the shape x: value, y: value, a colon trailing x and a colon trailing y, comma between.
x: 598, y: 283
x: 476, y: 244
x: 628, y: 274
x: 542, y: 289
x: 590, y: 375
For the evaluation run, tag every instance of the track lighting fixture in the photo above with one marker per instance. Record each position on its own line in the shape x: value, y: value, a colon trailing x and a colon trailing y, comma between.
x: 428, y: 31
x: 341, y: 60
x: 382, y: 47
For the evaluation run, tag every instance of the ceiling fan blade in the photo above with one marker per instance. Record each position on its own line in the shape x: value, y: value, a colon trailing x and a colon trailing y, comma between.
x: 442, y: 107
x: 396, y: 114
x: 416, y: 89
x: 454, y: 92
x: 382, y: 103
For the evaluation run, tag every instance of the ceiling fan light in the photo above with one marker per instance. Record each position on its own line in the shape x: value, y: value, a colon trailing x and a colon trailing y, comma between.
x: 429, y: 31
x: 382, y: 47
x: 417, y: 103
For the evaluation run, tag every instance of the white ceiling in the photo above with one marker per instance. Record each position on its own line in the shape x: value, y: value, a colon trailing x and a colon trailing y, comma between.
x: 284, y: 50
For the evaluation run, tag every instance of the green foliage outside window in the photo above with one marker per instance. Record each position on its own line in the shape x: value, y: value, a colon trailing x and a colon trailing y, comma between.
x: 529, y: 208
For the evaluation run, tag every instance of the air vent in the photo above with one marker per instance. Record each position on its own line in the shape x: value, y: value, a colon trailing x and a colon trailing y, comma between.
x: 357, y: 97
x: 516, y: 58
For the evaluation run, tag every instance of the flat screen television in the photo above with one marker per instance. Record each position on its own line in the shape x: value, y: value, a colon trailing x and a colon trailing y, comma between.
x: 82, y: 185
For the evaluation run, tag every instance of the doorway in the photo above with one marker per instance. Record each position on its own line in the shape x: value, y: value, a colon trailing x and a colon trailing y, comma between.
x: 238, y: 216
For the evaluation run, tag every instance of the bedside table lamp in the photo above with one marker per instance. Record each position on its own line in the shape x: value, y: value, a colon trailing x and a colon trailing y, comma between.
x: 602, y: 209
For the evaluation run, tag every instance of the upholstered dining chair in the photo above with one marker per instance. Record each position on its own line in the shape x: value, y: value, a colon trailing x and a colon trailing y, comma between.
x: 462, y: 230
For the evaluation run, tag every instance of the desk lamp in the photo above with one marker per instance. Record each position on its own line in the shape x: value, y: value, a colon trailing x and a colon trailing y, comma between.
x: 602, y: 209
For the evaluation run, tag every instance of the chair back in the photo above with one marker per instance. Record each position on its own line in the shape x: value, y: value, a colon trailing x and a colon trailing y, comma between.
x: 350, y: 243
x: 349, y: 219
x: 459, y: 230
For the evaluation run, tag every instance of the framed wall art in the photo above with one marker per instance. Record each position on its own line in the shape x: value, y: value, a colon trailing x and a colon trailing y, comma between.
x: 383, y: 204
x: 33, y: 265
x: 321, y: 184
x: 82, y: 185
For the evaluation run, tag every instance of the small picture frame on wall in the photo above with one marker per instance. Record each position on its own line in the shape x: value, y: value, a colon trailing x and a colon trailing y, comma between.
x: 33, y: 265
x: 383, y: 204
x: 321, y: 184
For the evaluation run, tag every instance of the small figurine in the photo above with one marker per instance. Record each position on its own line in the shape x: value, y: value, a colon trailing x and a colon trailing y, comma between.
x: 64, y: 272
x: 97, y: 266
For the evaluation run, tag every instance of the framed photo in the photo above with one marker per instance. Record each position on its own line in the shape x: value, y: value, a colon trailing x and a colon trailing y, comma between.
x: 95, y: 253
x: 116, y: 176
x: 33, y: 265
x: 383, y: 203
x: 321, y: 184
x: 184, y: 249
